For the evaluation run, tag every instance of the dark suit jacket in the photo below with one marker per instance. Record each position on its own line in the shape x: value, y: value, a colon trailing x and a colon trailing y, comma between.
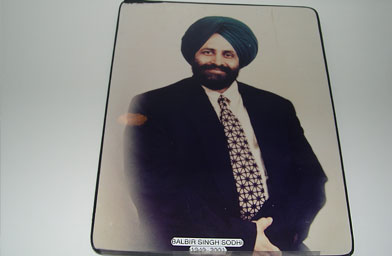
x: 183, y: 183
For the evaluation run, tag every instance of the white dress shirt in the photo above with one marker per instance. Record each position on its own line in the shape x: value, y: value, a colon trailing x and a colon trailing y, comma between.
x: 237, y: 107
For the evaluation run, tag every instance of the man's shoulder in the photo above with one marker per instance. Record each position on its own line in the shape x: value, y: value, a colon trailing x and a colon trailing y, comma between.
x: 167, y: 96
x: 260, y: 95
x: 176, y: 88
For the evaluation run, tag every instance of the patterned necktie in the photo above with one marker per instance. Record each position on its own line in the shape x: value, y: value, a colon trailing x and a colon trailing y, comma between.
x: 246, y: 173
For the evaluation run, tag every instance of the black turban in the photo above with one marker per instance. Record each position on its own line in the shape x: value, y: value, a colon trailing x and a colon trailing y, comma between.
x: 234, y: 31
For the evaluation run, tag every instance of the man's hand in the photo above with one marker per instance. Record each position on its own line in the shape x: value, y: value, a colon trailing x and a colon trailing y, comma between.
x: 262, y: 241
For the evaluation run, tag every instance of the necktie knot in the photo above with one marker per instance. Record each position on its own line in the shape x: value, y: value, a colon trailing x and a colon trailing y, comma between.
x: 223, y: 102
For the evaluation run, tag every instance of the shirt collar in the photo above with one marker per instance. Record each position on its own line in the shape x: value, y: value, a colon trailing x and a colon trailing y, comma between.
x: 231, y: 93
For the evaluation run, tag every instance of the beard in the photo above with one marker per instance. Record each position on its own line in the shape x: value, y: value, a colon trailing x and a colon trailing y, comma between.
x: 214, y: 81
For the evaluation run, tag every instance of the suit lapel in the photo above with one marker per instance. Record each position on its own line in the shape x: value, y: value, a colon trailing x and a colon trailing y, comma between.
x: 260, y: 111
x: 257, y: 111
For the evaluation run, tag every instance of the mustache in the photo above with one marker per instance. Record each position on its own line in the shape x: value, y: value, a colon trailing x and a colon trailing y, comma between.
x: 214, y: 66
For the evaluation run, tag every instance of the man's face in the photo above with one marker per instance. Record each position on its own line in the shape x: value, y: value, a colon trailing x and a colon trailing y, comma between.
x: 216, y: 63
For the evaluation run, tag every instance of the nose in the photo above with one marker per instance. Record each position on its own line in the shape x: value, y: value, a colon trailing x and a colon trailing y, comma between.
x: 218, y: 60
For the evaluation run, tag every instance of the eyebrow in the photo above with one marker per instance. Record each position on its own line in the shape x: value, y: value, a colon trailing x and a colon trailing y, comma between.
x: 213, y: 49
x: 210, y: 49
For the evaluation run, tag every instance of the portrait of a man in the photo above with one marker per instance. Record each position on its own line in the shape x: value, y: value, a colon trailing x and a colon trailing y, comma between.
x: 213, y: 157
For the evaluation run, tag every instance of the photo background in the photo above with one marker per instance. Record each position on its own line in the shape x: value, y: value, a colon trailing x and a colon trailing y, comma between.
x: 290, y: 63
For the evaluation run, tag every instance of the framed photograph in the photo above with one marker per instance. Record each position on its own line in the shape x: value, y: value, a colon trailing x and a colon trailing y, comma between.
x: 220, y: 134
